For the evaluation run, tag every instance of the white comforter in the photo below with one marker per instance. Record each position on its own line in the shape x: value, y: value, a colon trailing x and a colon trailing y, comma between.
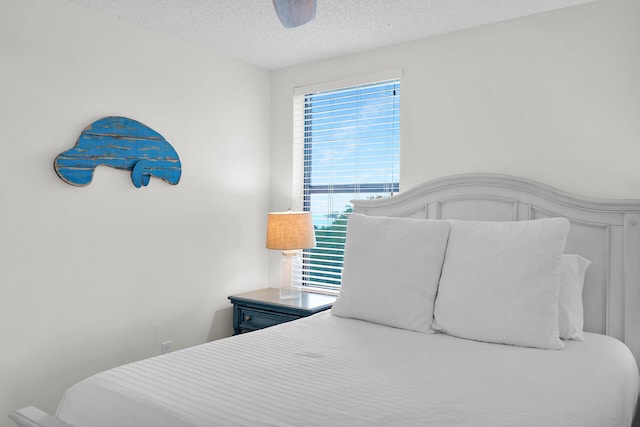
x: 329, y: 371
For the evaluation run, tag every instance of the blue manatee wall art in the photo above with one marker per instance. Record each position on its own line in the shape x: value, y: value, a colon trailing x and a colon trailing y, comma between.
x: 120, y: 143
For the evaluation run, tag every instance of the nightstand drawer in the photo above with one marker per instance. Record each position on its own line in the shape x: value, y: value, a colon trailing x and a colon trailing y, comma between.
x: 263, y: 308
x: 251, y: 319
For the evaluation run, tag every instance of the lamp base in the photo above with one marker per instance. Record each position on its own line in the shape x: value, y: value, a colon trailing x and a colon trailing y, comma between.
x: 290, y: 293
x: 290, y: 286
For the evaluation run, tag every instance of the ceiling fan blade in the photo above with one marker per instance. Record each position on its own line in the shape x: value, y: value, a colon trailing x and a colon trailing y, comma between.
x: 293, y: 13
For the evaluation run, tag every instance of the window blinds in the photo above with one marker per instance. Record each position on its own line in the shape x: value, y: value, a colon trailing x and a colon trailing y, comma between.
x: 349, y: 143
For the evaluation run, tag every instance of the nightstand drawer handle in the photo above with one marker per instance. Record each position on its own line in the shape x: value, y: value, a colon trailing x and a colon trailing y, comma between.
x: 247, y: 317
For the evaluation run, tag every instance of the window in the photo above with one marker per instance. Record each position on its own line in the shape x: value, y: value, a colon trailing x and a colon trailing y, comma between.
x: 349, y: 146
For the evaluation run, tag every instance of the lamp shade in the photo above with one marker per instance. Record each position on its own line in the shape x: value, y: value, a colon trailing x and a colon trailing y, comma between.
x: 290, y: 230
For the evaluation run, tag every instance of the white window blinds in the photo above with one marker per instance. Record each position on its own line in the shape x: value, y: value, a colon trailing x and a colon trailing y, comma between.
x: 348, y: 141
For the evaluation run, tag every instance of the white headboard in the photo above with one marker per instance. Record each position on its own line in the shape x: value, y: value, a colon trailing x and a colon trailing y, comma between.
x: 607, y: 232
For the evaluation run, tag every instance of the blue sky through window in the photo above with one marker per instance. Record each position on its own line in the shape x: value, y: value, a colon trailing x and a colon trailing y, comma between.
x: 352, y: 137
x: 352, y: 150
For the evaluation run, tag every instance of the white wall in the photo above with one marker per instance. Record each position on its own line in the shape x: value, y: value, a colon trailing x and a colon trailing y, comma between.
x: 94, y: 277
x: 553, y: 97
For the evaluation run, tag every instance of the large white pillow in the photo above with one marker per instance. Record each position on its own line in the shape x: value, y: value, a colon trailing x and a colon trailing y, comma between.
x: 391, y: 270
x: 570, y: 309
x: 500, y: 282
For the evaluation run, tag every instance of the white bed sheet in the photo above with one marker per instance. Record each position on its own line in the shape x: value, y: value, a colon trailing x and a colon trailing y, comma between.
x: 325, y: 370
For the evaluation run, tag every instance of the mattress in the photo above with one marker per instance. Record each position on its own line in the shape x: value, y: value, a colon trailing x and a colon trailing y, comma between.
x: 325, y: 370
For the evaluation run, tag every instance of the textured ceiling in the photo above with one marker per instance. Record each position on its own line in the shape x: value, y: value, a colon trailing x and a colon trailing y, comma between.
x: 249, y: 30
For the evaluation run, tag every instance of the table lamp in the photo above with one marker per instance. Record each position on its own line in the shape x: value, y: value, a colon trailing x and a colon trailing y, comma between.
x: 290, y: 232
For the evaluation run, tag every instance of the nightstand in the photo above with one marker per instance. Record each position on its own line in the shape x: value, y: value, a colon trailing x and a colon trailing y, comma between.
x: 263, y: 308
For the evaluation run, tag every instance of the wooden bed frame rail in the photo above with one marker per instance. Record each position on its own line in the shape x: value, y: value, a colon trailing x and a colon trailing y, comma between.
x: 34, y: 417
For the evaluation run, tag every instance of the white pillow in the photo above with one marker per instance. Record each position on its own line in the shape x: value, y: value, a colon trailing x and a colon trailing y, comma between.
x: 570, y: 310
x: 500, y: 282
x: 391, y: 270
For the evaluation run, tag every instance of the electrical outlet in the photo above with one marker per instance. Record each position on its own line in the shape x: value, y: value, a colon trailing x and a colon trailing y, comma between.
x: 167, y: 347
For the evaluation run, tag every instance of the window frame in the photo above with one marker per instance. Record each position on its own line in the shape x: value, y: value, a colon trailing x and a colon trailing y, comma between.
x: 301, y: 200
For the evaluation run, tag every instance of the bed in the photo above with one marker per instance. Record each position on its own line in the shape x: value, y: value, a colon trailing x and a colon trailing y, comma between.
x: 380, y: 358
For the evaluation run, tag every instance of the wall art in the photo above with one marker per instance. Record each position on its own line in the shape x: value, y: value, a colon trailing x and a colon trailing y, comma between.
x: 121, y: 143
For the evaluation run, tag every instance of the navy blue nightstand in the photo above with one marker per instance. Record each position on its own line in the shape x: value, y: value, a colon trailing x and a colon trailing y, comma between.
x: 263, y: 308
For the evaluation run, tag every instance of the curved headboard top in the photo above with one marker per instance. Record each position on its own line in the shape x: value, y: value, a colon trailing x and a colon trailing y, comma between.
x: 492, y: 180
x: 605, y: 231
